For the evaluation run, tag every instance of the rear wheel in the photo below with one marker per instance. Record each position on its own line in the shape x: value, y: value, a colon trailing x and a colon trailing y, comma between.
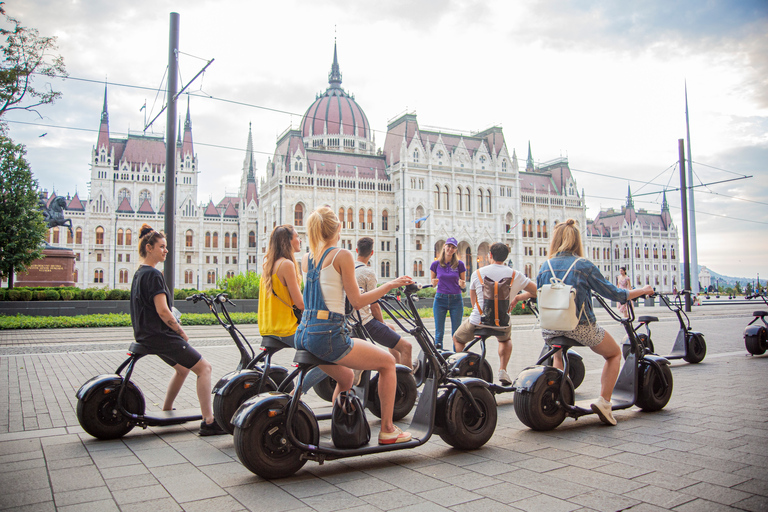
x: 576, y: 371
x: 653, y: 394
x: 463, y: 427
x: 696, y: 349
x: 99, y: 416
x: 325, y: 389
x: 756, y: 343
x: 263, y: 447
x: 472, y: 365
x: 541, y: 408
x: 405, y: 396
x: 224, y: 406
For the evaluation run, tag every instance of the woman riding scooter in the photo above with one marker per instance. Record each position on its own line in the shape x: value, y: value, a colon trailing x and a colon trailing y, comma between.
x: 566, y: 253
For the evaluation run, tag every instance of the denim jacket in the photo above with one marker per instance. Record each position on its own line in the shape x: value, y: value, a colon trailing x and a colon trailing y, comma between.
x: 585, y: 277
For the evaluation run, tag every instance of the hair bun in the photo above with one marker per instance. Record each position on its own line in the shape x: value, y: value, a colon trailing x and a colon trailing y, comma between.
x: 145, y: 229
x: 570, y: 222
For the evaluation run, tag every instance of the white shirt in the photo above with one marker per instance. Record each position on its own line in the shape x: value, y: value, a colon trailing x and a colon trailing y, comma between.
x: 495, y: 272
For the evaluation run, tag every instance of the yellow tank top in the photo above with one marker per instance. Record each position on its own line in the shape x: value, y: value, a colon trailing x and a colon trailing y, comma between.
x: 276, y: 318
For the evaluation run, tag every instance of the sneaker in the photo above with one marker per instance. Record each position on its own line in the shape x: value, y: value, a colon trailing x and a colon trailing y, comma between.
x: 398, y: 436
x: 504, y: 378
x: 602, y: 408
x: 211, y: 429
x: 358, y: 376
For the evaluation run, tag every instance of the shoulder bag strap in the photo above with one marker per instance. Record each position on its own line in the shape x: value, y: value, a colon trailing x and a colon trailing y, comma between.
x: 477, y: 302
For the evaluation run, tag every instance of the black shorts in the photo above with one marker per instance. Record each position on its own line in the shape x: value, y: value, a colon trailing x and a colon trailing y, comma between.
x: 382, y: 334
x: 174, y: 351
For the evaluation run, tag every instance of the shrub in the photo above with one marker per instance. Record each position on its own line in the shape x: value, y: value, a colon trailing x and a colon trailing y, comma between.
x: 3, y: 293
x: 179, y: 294
x: 242, y: 286
x: 87, y: 294
x: 52, y: 295
x: 426, y: 293
x: 20, y: 294
x: 115, y: 295
x: 67, y: 294
x: 99, y: 295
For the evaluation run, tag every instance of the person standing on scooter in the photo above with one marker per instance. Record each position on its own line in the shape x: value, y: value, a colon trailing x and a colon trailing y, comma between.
x: 155, y: 327
x: 448, y: 274
x: 370, y: 316
x: 564, y: 249
x: 496, y: 271
x: 280, y: 289
x: 322, y: 331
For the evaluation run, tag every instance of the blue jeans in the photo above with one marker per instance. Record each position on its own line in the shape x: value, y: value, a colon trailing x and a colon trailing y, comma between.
x: 447, y: 303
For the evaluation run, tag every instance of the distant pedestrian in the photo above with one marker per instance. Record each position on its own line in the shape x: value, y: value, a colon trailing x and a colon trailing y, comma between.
x: 448, y: 275
x: 625, y: 283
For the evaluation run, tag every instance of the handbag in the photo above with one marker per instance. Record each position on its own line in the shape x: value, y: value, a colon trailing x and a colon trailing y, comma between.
x: 296, y: 311
x: 557, y: 303
x: 349, y: 427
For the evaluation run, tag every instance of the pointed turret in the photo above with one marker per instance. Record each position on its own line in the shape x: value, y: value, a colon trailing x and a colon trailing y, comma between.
x: 666, y: 217
x: 187, y: 147
x: 334, y: 77
x: 529, y: 162
x: 248, y: 188
x: 104, y: 127
x: 630, y: 201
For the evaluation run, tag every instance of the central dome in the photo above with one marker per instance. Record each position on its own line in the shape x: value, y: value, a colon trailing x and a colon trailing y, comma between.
x: 336, y: 113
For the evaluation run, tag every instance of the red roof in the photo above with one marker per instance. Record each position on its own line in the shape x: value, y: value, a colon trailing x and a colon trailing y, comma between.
x: 75, y: 204
x: 146, y: 207
x: 125, y: 206
x: 251, y: 193
x: 230, y: 211
x: 211, y: 210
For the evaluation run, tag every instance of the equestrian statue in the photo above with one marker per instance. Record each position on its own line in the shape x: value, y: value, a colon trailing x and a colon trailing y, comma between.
x: 54, y: 214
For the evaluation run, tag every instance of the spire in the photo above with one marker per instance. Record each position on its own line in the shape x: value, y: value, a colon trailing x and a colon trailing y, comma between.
x: 187, y: 147
x: 104, y: 112
x: 178, y: 133
x: 103, y: 140
x: 248, y: 187
x: 334, y: 77
x: 529, y: 161
x: 630, y: 201
x: 188, y: 121
x: 664, y: 204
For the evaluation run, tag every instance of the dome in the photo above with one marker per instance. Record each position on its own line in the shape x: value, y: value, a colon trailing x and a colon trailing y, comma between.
x: 335, y: 113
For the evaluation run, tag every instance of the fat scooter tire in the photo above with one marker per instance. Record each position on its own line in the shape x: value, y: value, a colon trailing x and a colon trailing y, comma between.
x: 98, y: 414
x: 325, y: 388
x: 224, y: 406
x: 696, y: 349
x: 576, y: 372
x: 652, y: 394
x: 540, y: 409
x: 405, y: 396
x: 756, y: 344
x: 263, y: 446
x: 468, y: 367
x: 463, y: 428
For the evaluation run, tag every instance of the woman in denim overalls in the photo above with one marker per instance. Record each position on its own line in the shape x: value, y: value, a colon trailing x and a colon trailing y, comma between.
x: 322, y: 330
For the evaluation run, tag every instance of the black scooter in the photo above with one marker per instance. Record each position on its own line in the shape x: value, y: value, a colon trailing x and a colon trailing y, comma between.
x: 543, y: 398
x: 110, y: 405
x: 756, y: 336
x: 275, y: 434
x: 689, y: 345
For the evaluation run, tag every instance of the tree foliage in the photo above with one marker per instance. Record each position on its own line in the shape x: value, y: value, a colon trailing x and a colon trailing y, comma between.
x: 24, y: 55
x: 22, y: 229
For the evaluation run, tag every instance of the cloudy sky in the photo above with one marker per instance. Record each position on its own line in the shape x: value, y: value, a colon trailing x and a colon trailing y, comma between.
x: 597, y: 81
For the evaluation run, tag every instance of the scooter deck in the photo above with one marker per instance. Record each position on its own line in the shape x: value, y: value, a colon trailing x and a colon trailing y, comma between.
x: 617, y: 404
x: 174, y: 417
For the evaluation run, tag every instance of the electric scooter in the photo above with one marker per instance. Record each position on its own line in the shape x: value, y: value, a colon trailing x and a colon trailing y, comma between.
x: 543, y: 398
x: 689, y: 345
x: 275, y: 434
x: 756, y: 336
x: 111, y: 405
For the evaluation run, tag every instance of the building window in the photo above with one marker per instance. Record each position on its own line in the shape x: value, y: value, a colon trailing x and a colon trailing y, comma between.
x: 350, y: 219
x: 230, y: 274
x: 189, y: 258
x: 128, y: 258
x: 480, y: 200
x: 488, y: 203
x: 207, y: 238
x: 384, y: 269
x: 234, y: 240
x: 418, y: 244
x: 79, y: 236
x: 215, y: 260
x: 370, y: 219
x: 384, y: 221
x: 69, y: 236
x: 446, y: 193
x: 543, y: 224
x: 538, y: 229
x: 298, y: 215
x: 361, y: 218
x: 211, y: 277
x: 99, y: 235
x: 215, y: 239
x: 529, y: 270
x: 128, y: 237
x: 123, y: 276
x: 189, y: 238
x: 98, y: 276
x: 120, y: 236
x: 188, y: 277
x: 251, y: 239
x: 342, y: 218
x: 437, y: 197
x: 119, y: 258
x: 98, y: 256
x: 226, y: 240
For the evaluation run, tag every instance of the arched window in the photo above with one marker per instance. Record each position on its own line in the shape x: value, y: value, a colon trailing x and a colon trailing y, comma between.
x: 342, y: 218
x: 639, y: 281
x: 538, y: 229
x: 123, y: 276
x: 528, y: 270
x: 75, y: 274
x: 99, y: 236
x: 120, y: 236
x: 663, y: 253
x: 215, y: 239
x: 446, y: 192
x: 488, y: 202
x: 298, y: 215
x: 69, y: 236
x: 459, y: 199
x: 251, y: 239
x: 79, y: 236
x: 98, y: 276
x: 437, y: 197
x: 672, y: 252
x: 637, y: 251
x: 361, y: 218
x: 230, y: 274
x: 208, y: 239
x: 350, y: 219
x: 480, y: 200
x: 385, y: 221
x: 530, y: 228
x: 626, y: 253
x: 370, y: 219
x: 384, y: 269
x: 468, y: 199
x: 189, y: 238
x: 234, y: 240
x: 123, y: 194
x: 655, y: 252
x: 415, y: 155
x: 616, y: 252
x: 145, y: 194
x: 645, y: 251
x: 226, y: 240
x: 211, y: 277
x: 188, y: 277
x: 525, y: 228
x: 128, y: 237
x: 543, y: 228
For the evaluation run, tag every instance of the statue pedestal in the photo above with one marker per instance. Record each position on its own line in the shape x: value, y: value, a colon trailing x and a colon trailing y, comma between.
x: 56, y: 268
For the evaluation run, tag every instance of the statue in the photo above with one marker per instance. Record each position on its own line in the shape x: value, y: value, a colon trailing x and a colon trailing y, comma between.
x: 54, y: 214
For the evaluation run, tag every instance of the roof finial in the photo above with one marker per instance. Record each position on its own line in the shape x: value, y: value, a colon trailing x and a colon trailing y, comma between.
x: 630, y: 201
x: 529, y: 162
x: 104, y: 113
x: 334, y: 77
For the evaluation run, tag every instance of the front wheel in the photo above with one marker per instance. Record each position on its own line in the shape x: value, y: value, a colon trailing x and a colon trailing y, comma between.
x: 224, y: 406
x: 405, y: 396
x: 541, y: 408
x: 99, y: 415
x: 756, y: 343
x: 696, y: 348
x: 463, y: 427
x: 263, y: 447
x: 653, y: 394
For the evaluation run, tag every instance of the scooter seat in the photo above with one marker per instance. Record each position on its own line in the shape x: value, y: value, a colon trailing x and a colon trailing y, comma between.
x: 273, y: 342
x: 760, y: 313
x: 647, y: 319
x: 564, y: 342
x: 485, y: 332
x: 139, y: 349
x: 305, y: 357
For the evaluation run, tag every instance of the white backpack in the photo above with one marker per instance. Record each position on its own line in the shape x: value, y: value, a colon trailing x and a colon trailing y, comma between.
x: 557, y: 303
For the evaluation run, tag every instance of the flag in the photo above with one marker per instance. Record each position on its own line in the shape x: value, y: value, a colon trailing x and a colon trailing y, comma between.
x: 421, y: 219
x: 143, y: 106
x: 513, y: 227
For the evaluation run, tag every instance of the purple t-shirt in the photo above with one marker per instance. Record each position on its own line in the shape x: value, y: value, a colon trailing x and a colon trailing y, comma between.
x: 448, y: 278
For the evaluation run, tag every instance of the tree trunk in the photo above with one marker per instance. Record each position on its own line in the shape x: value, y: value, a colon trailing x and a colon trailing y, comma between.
x: 10, y: 279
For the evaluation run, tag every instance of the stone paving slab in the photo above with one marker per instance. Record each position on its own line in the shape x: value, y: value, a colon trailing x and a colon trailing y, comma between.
x: 707, y: 450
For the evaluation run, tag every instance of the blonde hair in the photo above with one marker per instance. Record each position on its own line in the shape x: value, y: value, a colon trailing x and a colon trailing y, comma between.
x: 279, y: 247
x: 148, y: 236
x: 566, y: 237
x: 454, y: 259
x: 322, y: 226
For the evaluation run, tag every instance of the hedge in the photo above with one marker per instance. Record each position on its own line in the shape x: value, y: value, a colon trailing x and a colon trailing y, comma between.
x: 109, y: 320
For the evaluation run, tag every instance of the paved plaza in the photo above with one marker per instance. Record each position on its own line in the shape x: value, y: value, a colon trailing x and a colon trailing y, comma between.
x: 706, y: 451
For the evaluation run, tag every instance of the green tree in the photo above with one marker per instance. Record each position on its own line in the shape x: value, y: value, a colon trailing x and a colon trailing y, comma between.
x: 22, y: 229
x: 737, y: 288
x: 24, y: 55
